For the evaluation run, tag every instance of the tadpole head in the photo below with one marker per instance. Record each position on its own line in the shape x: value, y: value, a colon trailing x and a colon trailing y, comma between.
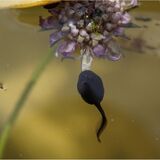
x: 90, y: 87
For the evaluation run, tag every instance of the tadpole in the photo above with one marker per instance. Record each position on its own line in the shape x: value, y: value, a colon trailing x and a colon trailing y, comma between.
x: 90, y: 87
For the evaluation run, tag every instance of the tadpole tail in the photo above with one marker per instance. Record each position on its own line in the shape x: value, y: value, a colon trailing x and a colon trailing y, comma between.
x: 103, y: 121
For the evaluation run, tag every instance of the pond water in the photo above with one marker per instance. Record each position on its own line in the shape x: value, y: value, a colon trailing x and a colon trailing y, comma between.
x: 55, y: 122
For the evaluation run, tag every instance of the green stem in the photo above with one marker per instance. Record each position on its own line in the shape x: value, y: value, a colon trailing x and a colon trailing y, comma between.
x: 20, y: 103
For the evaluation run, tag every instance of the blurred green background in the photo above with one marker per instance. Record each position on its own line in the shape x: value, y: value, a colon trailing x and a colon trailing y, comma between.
x: 55, y: 122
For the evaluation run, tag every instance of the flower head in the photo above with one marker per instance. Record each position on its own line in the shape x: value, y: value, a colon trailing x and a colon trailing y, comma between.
x: 90, y: 25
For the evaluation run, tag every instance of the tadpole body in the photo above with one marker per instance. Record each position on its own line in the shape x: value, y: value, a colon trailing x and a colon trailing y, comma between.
x: 90, y: 87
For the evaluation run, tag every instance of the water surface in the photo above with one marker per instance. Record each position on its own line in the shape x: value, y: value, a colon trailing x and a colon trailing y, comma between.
x: 55, y: 122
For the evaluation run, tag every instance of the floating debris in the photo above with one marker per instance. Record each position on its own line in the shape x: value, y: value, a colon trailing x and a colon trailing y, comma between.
x: 157, y: 24
x: 2, y: 87
x: 145, y: 26
x: 139, y: 43
x: 143, y: 18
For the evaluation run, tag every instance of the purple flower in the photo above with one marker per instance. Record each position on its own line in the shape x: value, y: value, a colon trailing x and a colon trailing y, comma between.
x: 126, y: 18
x: 83, y: 33
x: 119, y: 31
x: 91, y: 25
x: 134, y: 2
x: 48, y: 23
x: 99, y: 50
x: 112, y: 56
x: 66, y: 48
x: 54, y: 37
x: 116, y: 17
x: 114, y: 51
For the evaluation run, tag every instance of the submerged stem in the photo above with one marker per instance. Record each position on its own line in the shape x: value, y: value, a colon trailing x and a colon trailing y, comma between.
x: 20, y: 103
x: 86, y: 59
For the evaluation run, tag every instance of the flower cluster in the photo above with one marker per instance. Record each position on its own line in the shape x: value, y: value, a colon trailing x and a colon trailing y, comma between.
x: 91, y: 26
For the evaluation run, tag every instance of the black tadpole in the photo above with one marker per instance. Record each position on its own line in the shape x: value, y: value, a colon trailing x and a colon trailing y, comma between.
x: 90, y: 87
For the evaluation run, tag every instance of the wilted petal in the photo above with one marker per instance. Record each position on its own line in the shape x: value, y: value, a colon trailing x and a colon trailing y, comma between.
x: 67, y: 48
x: 99, y: 50
x: 125, y: 18
x: 80, y: 23
x: 80, y: 39
x: 54, y: 37
x: 83, y: 33
x: 94, y: 43
x: 114, y: 52
x: 74, y: 31
x: 89, y: 26
x: 119, y: 31
x: 65, y: 28
x: 71, y: 24
x: 48, y: 23
x: 113, y: 56
x: 97, y: 36
x: 134, y: 2
x: 116, y: 17
x: 109, y: 27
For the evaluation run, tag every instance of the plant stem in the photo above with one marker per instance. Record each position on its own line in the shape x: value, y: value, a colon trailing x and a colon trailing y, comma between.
x: 20, y: 103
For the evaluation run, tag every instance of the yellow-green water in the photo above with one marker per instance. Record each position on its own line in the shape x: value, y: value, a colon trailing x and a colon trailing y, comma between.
x: 55, y: 122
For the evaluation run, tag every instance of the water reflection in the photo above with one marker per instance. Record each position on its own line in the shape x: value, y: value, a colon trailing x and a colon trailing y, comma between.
x: 55, y: 122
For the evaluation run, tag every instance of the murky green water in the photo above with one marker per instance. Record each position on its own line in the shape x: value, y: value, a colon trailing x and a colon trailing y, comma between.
x: 55, y: 122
